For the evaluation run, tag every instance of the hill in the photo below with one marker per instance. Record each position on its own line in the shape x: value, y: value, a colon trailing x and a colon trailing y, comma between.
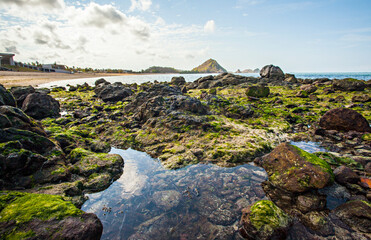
x: 210, y: 66
x: 156, y: 69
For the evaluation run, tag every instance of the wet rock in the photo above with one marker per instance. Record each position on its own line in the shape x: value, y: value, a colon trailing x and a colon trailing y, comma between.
x: 257, y: 91
x: 349, y: 84
x: 264, y: 220
x: 336, y: 195
x: 361, y: 98
x: 310, y: 202
x: 308, y: 88
x: 344, y: 119
x: 272, y: 72
x: 290, y: 78
x: 20, y: 93
x: 112, y: 92
x: 6, y: 97
x: 41, y: 106
x: 178, y: 81
x: 101, y: 81
x: 345, y: 175
x: 167, y: 199
x: 185, y: 103
x: 41, y: 216
x: 239, y: 112
x: 295, y: 170
x: 357, y: 214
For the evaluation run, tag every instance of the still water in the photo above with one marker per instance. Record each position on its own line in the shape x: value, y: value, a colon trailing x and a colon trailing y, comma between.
x: 201, y: 201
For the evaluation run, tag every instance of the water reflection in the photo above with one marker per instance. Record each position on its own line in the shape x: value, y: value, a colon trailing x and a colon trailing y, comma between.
x: 310, y: 147
x: 197, y: 202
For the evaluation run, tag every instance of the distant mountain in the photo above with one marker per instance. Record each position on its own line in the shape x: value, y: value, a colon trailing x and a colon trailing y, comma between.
x: 156, y: 69
x: 210, y: 66
x: 256, y: 70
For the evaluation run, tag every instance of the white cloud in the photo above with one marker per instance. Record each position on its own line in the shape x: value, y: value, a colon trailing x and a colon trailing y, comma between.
x: 33, y: 3
x: 209, y: 26
x: 142, y: 5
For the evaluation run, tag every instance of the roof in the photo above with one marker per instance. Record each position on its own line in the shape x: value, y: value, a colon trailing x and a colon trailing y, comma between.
x: 7, y: 54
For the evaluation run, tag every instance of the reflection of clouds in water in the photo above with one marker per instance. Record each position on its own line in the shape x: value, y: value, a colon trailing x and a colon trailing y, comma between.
x: 131, y: 182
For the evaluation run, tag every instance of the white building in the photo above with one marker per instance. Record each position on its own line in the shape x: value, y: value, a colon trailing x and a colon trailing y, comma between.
x: 55, y: 68
x: 7, y: 58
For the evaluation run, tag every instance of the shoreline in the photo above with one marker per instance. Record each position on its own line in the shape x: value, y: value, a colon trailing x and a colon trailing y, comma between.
x: 12, y: 79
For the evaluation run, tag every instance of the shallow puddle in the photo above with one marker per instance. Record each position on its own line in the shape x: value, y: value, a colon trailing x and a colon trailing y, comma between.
x: 310, y: 147
x: 197, y: 202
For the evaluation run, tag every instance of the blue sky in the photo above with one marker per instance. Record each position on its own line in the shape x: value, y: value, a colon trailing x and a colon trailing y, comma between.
x: 299, y: 36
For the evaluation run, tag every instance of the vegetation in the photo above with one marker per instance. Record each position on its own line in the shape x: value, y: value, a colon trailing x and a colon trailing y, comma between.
x: 210, y: 66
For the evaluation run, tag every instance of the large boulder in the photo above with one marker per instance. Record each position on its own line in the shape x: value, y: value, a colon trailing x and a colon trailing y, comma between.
x: 264, y: 220
x: 41, y: 106
x: 257, y: 91
x: 185, y: 103
x: 344, y: 119
x: 272, y: 72
x: 349, y: 84
x: 20, y: 93
x: 112, y: 92
x: 179, y: 81
x: 42, y: 216
x: 357, y: 214
x: 309, y: 88
x: 6, y: 97
x: 295, y: 170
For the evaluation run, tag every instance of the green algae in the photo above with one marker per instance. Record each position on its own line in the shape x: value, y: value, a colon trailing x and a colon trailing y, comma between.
x: 265, y: 216
x: 337, y: 161
x: 16, y: 235
x: 23, y: 208
x: 366, y: 137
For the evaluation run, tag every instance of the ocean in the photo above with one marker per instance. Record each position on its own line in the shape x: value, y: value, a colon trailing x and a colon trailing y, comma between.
x: 142, y: 78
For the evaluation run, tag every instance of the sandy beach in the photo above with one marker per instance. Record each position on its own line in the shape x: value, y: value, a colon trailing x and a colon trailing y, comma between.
x: 10, y: 79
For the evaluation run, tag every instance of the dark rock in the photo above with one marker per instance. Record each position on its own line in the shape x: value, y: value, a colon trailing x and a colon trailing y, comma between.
x: 6, y: 97
x: 80, y: 114
x: 257, y: 91
x: 357, y: 214
x: 340, y: 99
x: 344, y: 119
x: 184, y: 89
x: 328, y: 90
x: 310, y: 202
x: 272, y: 72
x: 349, y: 84
x: 20, y: 93
x: 185, y: 103
x: 239, y: 112
x: 361, y: 98
x: 345, y: 175
x: 290, y: 78
x: 41, y: 106
x: 308, y: 88
x: 101, y: 81
x: 295, y: 170
x: 112, y: 92
x: 178, y: 81
x: 302, y: 94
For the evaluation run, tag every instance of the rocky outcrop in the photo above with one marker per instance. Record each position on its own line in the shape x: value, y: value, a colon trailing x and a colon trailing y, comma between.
x: 41, y: 106
x: 6, y: 97
x: 308, y: 88
x: 41, y: 216
x: 349, y: 84
x: 356, y: 214
x: 112, y: 92
x: 257, y: 91
x: 221, y: 80
x: 178, y: 81
x: 344, y: 119
x: 264, y: 220
x: 272, y: 72
x: 20, y: 93
x: 295, y: 170
x: 361, y: 98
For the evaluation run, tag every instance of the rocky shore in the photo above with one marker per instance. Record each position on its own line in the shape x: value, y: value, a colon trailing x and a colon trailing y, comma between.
x: 54, y: 148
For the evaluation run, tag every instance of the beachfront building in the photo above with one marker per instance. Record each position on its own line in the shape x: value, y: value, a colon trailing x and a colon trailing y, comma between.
x: 55, y: 68
x: 6, y: 58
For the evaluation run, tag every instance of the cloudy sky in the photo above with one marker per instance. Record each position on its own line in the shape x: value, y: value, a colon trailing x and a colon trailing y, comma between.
x: 299, y: 36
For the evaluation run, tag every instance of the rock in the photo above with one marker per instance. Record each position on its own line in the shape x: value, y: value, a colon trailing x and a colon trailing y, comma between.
x: 361, y: 98
x: 290, y: 78
x: 257, y: 91
x: 101, y: 81
x: 308, y: 88
x: 345, y: 175
x: 185, y: 103
x: 357, y: 214
x: 310, y: 202
x: 42, y: 216
x: 112, y: 92
x: 344, y: 119
x: 167, y: 199
x: 178, y: 81
x: 20, y: 93
x: 264, y: 220
x: 184, y: 89
x: 41, y: 106
x: 349, y: 84
x: 6, y: 97
x: 295, y: 170
x: 272, y: 72
x: 302, y: 94
x: 239, y: 112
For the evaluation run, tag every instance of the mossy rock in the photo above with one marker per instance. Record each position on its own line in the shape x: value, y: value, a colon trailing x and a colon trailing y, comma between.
x: 257, y: 91
x: 337, y: 161
x: 366, y: 137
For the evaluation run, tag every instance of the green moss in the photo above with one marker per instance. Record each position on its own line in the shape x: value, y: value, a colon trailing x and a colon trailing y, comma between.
x: 41, y: 206
x: 59, y: 170
x: 15, y: 235
x: 312, y: 158
x: 265, y: 216
x: 366, y: 137
x: 337, y: 161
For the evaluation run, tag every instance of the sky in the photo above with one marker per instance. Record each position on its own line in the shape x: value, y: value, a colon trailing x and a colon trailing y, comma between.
x: 298, y: 36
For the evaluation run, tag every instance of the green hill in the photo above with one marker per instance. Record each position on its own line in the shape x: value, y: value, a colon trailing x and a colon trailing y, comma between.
x: 156, y: 69
x: 210, y: 66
